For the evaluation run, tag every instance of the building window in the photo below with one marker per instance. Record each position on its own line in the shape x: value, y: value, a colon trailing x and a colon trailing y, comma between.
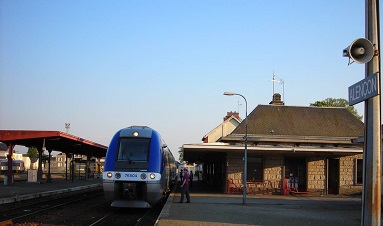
x: 359, y: 171
x: 254, y: 169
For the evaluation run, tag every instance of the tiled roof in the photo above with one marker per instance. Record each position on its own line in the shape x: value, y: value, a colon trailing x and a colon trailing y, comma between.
x: 271, y: 120
x: 220, y: 125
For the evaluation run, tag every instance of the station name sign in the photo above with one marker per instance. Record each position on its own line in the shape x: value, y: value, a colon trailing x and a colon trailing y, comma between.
x: 363, y: 90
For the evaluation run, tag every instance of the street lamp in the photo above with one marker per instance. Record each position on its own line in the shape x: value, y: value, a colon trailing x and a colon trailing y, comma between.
x: 245, y: 158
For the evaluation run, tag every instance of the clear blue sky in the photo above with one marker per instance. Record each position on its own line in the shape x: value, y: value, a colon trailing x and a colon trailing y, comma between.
x: 105, y: 65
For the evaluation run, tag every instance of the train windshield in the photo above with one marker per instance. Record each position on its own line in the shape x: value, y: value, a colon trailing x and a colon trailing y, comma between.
x: 135, y: 150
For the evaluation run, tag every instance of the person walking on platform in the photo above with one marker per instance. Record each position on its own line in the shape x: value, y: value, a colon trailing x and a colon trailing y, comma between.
x: 185, y: 187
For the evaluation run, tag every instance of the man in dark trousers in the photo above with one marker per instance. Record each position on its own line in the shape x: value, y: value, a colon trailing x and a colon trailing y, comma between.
x: 185, y: 187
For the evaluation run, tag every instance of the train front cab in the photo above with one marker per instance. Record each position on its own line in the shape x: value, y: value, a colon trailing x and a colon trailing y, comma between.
x: 133, y: 174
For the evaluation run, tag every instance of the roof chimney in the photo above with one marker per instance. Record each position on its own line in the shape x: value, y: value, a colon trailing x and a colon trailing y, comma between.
x: 229, y: 114
x: 277, y: 99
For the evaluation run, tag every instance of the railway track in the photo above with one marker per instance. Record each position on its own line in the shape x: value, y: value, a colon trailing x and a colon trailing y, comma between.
x: 88, y: 208
x: 20, y: 213
x: 130, y: 217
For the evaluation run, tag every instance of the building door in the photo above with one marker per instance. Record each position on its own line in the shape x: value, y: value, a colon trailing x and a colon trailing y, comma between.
x: 333, y: 176
x: 214, y: 171
x: 295, y: 172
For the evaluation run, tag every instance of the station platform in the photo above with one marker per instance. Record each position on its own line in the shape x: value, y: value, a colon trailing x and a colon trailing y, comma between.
x: 210, y: 208
x: 213, y: 208
x: 22, y: 190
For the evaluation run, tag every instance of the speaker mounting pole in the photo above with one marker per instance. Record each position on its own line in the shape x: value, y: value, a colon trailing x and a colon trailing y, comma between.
x: 371, y: 196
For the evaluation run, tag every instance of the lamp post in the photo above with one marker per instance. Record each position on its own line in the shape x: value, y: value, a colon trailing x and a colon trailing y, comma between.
x: 245, y: 157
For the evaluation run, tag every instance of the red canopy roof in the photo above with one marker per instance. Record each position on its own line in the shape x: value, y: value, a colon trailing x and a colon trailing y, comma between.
x: 54, y: 140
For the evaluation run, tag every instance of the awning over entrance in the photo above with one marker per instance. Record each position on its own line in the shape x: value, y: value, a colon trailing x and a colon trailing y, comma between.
x: 199, y: 152
x: 53, y: 140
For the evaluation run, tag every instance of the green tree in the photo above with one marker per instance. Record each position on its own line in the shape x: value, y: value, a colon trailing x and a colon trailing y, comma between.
x: 33, y: 152
x: 340, y: 102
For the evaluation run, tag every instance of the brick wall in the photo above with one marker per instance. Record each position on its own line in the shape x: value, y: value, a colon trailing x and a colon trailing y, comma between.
x: 273, y: 165
x: 316, y: 173
x: 272, y: 169
x: 234, y: 167
x: 347, y: 167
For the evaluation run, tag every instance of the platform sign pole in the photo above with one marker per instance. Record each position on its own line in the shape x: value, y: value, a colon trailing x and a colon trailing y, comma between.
x: 371, y: 197
x: 9, y: 178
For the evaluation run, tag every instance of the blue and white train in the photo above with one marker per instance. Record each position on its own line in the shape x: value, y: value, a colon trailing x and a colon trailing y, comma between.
x: 139, y: 168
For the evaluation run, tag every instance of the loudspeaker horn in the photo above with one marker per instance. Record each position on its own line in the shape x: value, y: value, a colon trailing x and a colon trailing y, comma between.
x: 360, y: 50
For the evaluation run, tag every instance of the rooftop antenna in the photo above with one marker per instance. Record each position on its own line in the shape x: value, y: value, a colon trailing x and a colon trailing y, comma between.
x: 273, y: 80
x: 67, y: 127
x: 280, y: 81
x: 239, y: 104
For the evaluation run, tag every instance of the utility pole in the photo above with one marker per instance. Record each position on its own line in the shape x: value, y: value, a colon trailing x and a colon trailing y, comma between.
x: 371, y: 197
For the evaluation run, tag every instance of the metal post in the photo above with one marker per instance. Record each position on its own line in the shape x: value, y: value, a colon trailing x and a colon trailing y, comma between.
x: 66, y: 166
x: 371, y: 197
x: 245, y: 154
x: 49, y: 178
x: 245, y: 160
x: 40, y: 167
x: 10, y: 165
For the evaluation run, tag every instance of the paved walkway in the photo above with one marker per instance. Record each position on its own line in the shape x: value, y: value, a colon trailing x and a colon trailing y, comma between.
x: 23, y: 190
x: 223, y: 209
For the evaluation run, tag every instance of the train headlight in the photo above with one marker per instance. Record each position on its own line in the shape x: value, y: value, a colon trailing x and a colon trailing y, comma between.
x: 118, y: 175
x: 152, y: 176
x: 109, y: 175
x: 135, y: 134
x: 143, y: 176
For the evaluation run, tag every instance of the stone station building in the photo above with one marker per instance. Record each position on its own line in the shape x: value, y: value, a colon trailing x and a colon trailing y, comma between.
x: 290, y: 148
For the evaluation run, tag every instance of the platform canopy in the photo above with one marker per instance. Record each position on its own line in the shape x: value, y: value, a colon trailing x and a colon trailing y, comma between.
x: 54, y: 141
